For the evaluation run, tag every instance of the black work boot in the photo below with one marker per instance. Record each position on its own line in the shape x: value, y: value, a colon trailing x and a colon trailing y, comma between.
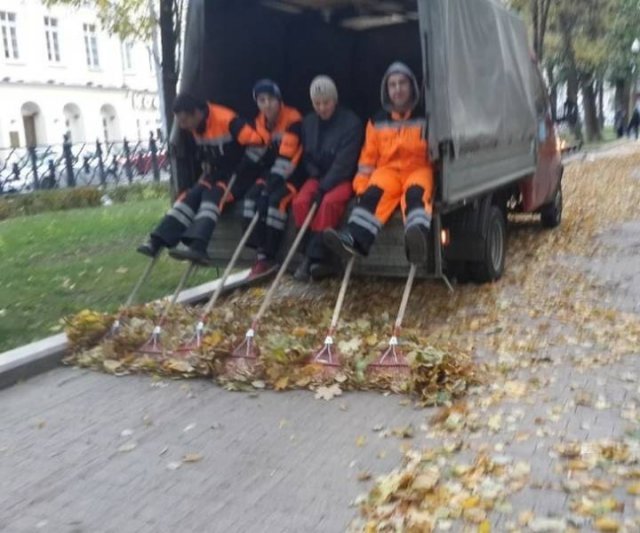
x: 151, y: 247
x: 340, y: 243
x: 416, y: 245
x: 302, y: 272
x: 197, y: 255
x: 322, y: 270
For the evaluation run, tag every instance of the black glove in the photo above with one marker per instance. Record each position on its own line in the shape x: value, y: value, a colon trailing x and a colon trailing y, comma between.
x: 276, y: 185
x: 318, y: 196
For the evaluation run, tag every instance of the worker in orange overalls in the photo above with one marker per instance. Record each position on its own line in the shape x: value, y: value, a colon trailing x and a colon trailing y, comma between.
x: 394, y: 169
x: 227, y: 144
x: 272, y: 193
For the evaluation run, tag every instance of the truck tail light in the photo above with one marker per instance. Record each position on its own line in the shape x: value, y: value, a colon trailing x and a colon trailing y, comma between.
x: 445, y: 237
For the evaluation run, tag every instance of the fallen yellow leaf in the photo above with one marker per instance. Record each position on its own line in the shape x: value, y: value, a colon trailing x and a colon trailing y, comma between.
x: 634, y: 489
x: 607, y: 525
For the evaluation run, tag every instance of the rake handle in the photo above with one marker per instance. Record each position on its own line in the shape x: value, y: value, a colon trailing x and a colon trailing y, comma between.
x: 341, y: 295
x: 405, y: 298
x: 141, y: 280
x: 176, y: 293
x: 231, y: 265
x: 283, y: 268
x: 227, y: 191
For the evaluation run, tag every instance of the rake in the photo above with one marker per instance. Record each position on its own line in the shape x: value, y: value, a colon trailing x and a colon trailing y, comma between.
x: 329, y: 356
x: 154, y: 344
x: 392, y: 361
x: 115, y: 327
x: 245, y: 356
x: 196, y: 341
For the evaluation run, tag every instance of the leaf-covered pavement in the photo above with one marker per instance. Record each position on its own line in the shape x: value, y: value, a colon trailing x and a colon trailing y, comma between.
x: 553, y: 444
x: 550, y: 342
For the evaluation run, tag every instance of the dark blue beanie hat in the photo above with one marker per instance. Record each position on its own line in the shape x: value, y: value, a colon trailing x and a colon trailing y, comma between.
x: 266, y: 86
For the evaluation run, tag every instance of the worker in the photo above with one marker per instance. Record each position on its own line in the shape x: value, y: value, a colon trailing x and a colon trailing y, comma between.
x: 332, y: 137
x: 394, y: 168
x: 227, y: 144
x: 272, y: 192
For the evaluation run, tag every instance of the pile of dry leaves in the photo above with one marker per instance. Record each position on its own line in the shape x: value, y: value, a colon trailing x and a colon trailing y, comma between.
x: 291, y: 334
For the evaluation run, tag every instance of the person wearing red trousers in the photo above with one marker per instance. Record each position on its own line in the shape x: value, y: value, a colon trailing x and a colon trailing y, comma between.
x: 332, y: 137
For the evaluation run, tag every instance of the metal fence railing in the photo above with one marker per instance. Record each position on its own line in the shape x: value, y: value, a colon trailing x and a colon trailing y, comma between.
x: 104, y: 164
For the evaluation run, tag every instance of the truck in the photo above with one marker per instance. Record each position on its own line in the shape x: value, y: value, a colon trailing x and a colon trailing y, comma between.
x: 490, y: 133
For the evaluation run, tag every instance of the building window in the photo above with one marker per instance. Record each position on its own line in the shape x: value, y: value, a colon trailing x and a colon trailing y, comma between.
x: 9, y: 35
x: 53, y: 44
x: 127, y: 55
x: 91, y: 45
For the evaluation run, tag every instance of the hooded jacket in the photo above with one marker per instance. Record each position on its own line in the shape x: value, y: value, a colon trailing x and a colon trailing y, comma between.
x: 393, y: 140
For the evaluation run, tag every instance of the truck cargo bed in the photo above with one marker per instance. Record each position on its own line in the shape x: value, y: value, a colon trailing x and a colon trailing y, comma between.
x: 387, y: 257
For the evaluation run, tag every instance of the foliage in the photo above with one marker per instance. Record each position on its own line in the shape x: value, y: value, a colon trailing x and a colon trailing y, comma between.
x: 128, y: 19
x: 141, y: 20
x: 44, y: 201
x: 77, y: 197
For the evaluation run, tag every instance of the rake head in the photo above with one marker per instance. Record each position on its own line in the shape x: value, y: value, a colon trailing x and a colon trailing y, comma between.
x: 391, y: 363
x: 194, y: 343
x: 328, y: 358
x: 115, y: 328
x: 244, y: 358
x: 154, y: 345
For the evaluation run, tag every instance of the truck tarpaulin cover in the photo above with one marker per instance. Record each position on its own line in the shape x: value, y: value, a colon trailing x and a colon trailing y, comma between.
x: 481, y: 85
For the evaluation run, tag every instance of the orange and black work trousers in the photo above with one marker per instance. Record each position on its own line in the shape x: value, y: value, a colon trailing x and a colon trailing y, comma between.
x: 272, y: 205
x: 388, y: 188
x: 193, y: 217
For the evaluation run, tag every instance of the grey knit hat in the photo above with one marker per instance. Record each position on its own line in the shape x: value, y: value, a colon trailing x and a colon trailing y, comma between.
x: 323, y: 87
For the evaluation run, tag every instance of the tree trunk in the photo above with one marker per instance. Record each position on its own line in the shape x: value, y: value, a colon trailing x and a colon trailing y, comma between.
x: 535, y: 20
x: 601, y: 103
x: 553, y: 93
x: 168, y: 39
x: 572, y: 74
x: 622, y: 98
x: 591, y: 121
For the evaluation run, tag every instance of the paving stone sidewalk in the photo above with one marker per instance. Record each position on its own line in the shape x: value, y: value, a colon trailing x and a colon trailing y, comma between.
x: 86, y: 452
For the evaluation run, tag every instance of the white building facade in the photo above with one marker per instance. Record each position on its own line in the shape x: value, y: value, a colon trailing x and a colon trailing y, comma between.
x: 61, y: 74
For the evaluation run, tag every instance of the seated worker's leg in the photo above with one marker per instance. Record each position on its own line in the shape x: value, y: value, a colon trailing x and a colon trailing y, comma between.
x: 255, y: 200
x: 300, y: 209
x: 175, y: 222
x: 248, y: 175
x: 276, y: 223
x: 198, y: 235
x: 374, y: 209
x: 334, y: 204
x: 417, y: 209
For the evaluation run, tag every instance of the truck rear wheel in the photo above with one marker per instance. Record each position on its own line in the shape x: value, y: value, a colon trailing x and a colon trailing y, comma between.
x: 491, y: 267
x: 551, y: 214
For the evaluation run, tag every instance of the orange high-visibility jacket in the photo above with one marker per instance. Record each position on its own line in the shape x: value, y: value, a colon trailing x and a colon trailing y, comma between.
x: 287, y: 135
x: 395, y: 142
x: 224, y: 136
x: 284, y: 140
